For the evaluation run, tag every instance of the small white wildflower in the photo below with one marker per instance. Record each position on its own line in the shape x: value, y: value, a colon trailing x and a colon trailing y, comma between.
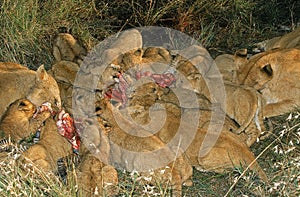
x: 289, y: 117
x: 96, y: 191
x: 282, y: 132
x: 275, y: 149
x: 276, y: 185
x: 18, y: 185
x: 9, y: 187
x: 133, y: 173
x: 147, y: 178
x: 149, y: 189
x: 246, y: 178
x: 162, y: 171
x: 235, y: 179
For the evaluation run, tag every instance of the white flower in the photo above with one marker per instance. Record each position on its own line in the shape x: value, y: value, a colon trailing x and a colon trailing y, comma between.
x: 96, y: 191
x: 290, y: 117
x: 133, y: 173
x: 147, y: 178
x: 162, y: 171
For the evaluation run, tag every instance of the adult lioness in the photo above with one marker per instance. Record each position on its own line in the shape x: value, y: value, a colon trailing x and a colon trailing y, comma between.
x: 17, y: 82
x: 289, y: 40
x: 276, y: 75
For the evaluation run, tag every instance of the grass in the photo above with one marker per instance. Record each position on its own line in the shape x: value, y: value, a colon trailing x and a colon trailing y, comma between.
x: 27, y: 31
x: 27, y: 180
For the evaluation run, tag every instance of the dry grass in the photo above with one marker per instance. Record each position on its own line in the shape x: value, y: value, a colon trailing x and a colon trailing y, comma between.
x: 27, y: 30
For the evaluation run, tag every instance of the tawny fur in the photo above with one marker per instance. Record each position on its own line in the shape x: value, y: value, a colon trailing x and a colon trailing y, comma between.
x: 275, y: 74
x: 227, y: 142
x: 18, y: 82
x: 67, y: 48
x: 48, y: 149
x: 289, y: 40
x: 17, y: 122
x: 119, y: 62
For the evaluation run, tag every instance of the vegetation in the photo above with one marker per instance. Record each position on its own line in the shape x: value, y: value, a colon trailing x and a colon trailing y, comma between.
x: 27, y: 31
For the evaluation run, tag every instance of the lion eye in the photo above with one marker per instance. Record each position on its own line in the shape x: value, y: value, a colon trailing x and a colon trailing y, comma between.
x: 268, y: 69
x: 56, y: 102
x: 22, y: 104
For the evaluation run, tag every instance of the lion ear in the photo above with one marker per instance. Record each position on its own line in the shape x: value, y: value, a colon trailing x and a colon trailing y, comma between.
x: 24, y: 105
x: 41, y: 74
x: 267, y: 69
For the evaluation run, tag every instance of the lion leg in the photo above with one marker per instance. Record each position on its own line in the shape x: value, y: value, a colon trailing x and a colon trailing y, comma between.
x: 275, y: 109
x: 94, y: 177
x: 36, y: 154
x: 229, y: 152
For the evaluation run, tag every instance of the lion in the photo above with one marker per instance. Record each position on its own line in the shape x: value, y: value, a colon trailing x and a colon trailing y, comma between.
x: 17, y: 122
x: 64, y: 72
x: 19, y: 82
x: 48, y: 149
x: 229, y: 64
x: 275, y: 75
x: 244, y: 105
x: 145, y: 96
x: 241, y: 103
x: 270, y: 73
x: 95, y: 176
x: 20, y: 121
x: 112, y: 85
x: 67, y: 48
x: 229, y: 150
x: 227, y: 140
x: 289, y: 40
x: 11, y: 66
x: 178, y: 172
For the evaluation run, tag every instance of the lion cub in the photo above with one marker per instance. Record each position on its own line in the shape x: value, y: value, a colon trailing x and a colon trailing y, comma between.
x: 51, y: 147
x: 67, y: 48
x: 17, y: 122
